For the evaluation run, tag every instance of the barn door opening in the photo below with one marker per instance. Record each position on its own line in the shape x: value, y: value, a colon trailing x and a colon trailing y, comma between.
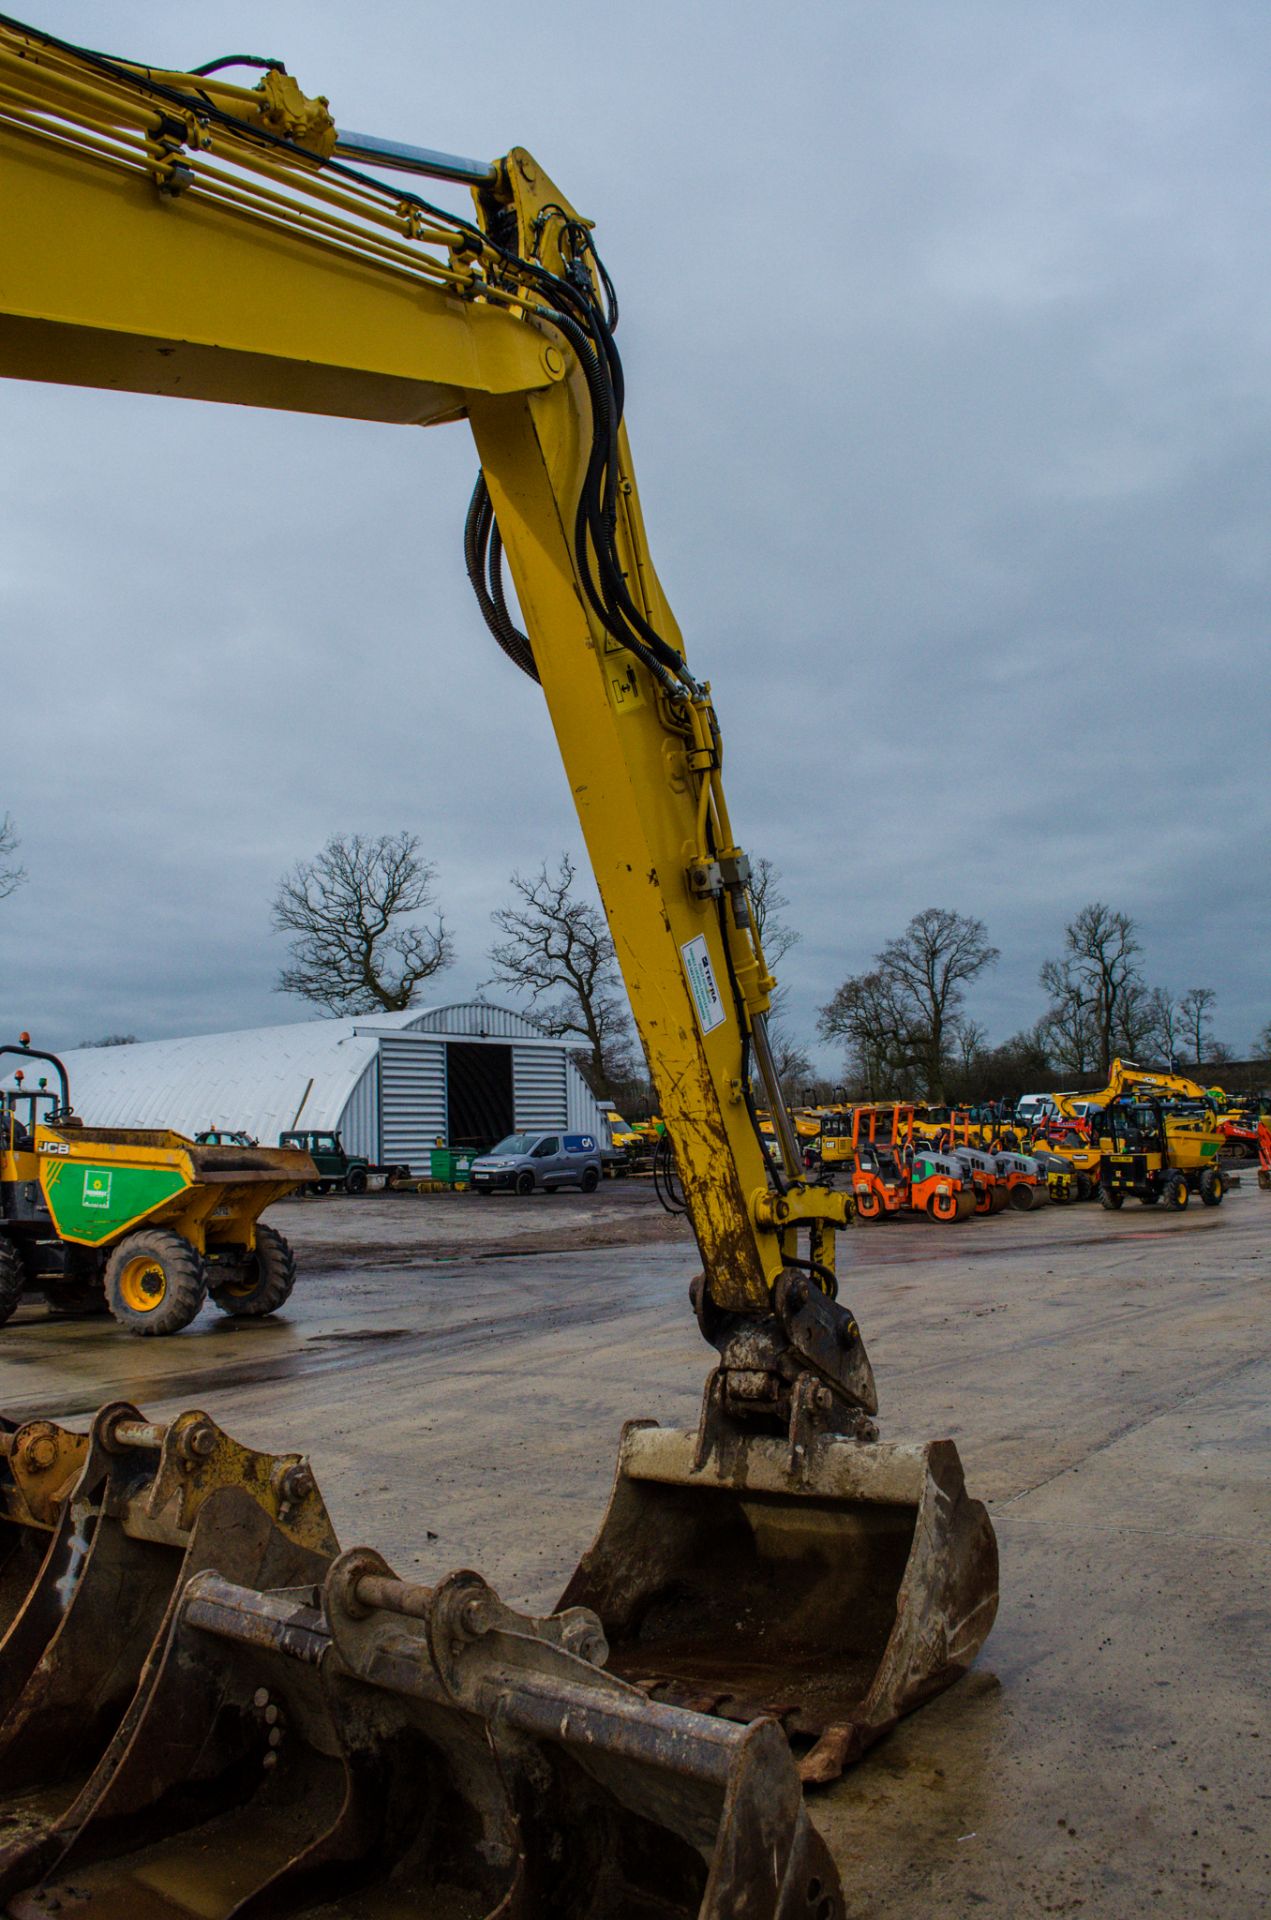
x: 479, y: 1094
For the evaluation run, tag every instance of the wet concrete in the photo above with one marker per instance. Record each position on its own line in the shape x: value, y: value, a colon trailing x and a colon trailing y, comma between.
x: 459, y: 1370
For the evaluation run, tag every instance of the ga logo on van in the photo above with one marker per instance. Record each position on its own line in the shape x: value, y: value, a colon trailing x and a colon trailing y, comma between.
x: 96, y: 1187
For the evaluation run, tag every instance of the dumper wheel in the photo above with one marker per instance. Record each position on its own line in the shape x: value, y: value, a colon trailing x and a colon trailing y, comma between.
x: 1176, y: 1194
x: 156, y: 1281
x: 262, y: 1283
x: 1212, y: 1187
x: 1085, y: 1186
x: 1110, y: 1198
x: 12, y: 1280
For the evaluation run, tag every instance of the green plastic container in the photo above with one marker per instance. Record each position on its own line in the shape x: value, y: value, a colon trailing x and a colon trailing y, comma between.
x: 452, y: 1166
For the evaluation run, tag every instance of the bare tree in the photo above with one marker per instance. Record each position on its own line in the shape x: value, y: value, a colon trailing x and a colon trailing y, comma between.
x: 1262, y: 1045
x: 767, y: 904
x: 933, y: 961
x: 1068, y: 1023
x: 1090, y: 981
x: 864, y: 1014
x: 11, y: 874
x: 112, y: 1040
x: 1136, y: 1021
x: 1193, y: 1011
x: 356, y: 948
x: 556, y: 950
x: 903, y: 1015
x: 793, y: 1061
x: 1167, y: 1025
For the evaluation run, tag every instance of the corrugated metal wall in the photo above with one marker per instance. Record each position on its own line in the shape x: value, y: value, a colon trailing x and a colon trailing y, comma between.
x: 476, y: 1021
x: 412, y: 1100
x: 359, y: 1124
x: 586, y: 1115
x: 540, y: 1078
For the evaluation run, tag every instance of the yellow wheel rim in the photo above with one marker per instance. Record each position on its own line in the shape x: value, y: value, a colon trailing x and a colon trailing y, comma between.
x: 143, y: 1284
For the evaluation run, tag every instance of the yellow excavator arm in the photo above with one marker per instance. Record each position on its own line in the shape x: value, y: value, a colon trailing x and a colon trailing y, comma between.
x: 176, y: 234
x: 1125, y: 1077
x: 182, y: 234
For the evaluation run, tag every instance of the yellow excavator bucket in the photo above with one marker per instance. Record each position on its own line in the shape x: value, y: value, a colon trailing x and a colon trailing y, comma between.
x: 834, y: 1585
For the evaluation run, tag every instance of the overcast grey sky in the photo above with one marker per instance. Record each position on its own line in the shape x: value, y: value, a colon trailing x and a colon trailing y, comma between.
x: 948, y: 339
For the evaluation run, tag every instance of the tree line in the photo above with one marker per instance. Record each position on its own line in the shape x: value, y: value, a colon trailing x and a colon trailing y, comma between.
x: 365, y: 935
x: 903, y: 1022
x: 906, y: 1029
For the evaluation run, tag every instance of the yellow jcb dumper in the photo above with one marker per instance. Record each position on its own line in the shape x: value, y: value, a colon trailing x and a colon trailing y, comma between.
x: 137, y: 1222
x: 778, y: 1576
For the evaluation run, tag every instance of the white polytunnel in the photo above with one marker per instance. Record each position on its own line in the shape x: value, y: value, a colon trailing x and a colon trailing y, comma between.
x: 394, y: 1085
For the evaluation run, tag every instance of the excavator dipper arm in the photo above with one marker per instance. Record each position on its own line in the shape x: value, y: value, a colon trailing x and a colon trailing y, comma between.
x: 181, y: 234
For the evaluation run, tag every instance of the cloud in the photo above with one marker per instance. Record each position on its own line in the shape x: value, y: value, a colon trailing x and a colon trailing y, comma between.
x: 945, y: 339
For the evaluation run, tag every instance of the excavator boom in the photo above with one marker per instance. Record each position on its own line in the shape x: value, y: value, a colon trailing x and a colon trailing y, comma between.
x: 181, y: 234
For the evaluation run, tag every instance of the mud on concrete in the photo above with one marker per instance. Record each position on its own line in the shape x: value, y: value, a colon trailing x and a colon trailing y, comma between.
x: 459, y: 1369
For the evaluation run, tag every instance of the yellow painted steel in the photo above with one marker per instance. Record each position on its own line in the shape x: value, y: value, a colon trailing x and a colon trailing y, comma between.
x: 150, y: 248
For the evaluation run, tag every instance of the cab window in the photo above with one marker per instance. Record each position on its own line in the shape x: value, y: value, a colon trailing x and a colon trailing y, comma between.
x: 545, y: 1147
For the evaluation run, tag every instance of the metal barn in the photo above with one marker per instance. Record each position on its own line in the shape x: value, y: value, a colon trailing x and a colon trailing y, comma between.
x: 394, y: 1084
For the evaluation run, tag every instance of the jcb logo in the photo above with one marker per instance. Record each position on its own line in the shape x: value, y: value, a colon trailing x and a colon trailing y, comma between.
x: 54, y: 1146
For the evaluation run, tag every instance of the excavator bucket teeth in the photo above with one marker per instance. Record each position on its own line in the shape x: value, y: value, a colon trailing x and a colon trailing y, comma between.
x: 367, y: 1748
x: 834, y: 1586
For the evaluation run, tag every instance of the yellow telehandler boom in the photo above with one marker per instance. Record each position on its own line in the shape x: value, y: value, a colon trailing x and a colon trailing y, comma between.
x: 181, y: 234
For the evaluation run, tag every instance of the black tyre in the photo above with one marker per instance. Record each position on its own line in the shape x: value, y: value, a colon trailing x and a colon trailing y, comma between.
x: 356, y: 1181
x: 590, y: 1180
x: 525, y: 1183
x: 1212, y: 1187
x: 1176, y: 1194
x: 1111, y: 1199
x: 156, y: 1282
x: 12, y: 1280
x: 1085, y: 1186
x: 264, y: 1281
x: 1150, y: 1196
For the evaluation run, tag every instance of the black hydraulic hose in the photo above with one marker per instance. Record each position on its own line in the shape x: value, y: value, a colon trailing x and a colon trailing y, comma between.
x: 210, y: 67
x: 824, y: 1276
x: 482, y: 551
x: 664, y: 1171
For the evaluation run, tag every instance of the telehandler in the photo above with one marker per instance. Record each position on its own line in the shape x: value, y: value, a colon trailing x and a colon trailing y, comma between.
x: 140, y: 1223
x: 768, y: 1593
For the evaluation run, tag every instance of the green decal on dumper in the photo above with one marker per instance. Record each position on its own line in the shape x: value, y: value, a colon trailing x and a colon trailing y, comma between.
x: 95, y: 1203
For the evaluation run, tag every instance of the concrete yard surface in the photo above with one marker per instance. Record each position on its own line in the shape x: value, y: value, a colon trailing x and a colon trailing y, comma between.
x: 459, y: 1369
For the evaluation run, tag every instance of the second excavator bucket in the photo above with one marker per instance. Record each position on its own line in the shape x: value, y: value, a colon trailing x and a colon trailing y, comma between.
x: 101, y: 1531
x: 835, y: 1584
x: 371, y: 1748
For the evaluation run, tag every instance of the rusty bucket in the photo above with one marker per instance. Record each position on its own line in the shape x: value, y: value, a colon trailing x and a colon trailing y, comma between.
x: 833, y: 1585
x: 374, y: 1748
